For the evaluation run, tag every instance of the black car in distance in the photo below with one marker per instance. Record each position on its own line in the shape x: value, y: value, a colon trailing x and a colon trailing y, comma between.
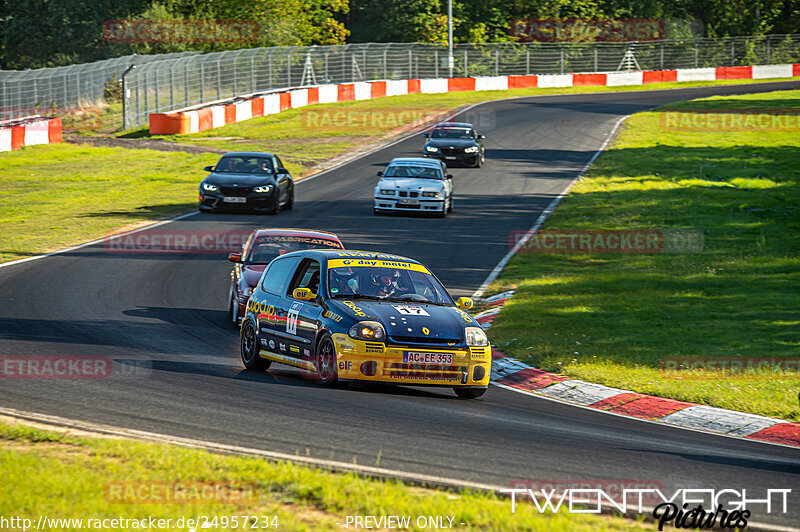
x: 455, y: 142
x: 247, y: 181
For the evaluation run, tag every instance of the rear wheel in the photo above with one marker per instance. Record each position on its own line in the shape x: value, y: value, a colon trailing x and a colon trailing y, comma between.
x: 469, y: 393
x: 249, y: 348
x: 325, y: 361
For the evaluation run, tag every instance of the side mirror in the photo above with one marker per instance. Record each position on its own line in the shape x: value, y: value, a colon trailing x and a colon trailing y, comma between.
x: 464, y: 303
x: 481, y: 137
x: 449, y: 176
x: 235, y: 257
x: 209, y: 168
x: 304, y: 294
x: 380, y: 174
x: 283, y: 170
x: 426, y: 135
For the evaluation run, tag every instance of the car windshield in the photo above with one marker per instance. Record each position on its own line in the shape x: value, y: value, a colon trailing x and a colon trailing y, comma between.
x: 267, y: 247
x: 391, y: 283
x: 453, y: 133
x: 423, y: 172
x: 245, y: 165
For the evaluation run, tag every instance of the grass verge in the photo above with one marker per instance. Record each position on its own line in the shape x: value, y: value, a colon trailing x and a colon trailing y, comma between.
x: 63, y: 476
x: 616, y: 318
x: 60, y: 195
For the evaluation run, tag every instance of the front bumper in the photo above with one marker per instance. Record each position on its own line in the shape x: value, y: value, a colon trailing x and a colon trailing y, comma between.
x: 455, y: 157
x: 253, y: 201
x: 392, y: 204
x: 379, y: 362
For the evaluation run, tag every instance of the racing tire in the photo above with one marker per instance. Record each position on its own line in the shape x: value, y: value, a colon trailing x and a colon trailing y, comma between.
x: 325, y: 361
x: 443, y: 212
x: 290, y: 203
x: 248, y: 340
x: 468, y: 393
x: 479, y: 160
x: 233, y: 307
x: 276, y: 207
x: 450, y: 205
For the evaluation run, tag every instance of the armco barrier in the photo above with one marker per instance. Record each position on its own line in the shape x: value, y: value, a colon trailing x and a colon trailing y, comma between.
x: 29, y: 131
x: 194, y: 120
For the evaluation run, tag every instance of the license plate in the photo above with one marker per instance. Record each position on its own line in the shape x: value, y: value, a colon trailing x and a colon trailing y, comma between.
x: 413, y: 357
x: 450, y: 158
x: 233, y: 199
x: 408, y: 202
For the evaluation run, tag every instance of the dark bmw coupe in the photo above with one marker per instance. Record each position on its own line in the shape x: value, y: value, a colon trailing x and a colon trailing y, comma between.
x: 455, y: 142
x: 247, y: 181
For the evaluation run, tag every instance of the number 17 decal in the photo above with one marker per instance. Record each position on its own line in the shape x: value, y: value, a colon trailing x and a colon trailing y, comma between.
x: 291, y: 319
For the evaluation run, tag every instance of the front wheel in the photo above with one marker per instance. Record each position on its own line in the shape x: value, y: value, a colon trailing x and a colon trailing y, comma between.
x: 290, y: 201
x: 469, y: 393
x: 250, y: 348
x: 276, y: 206
x: 450, y: 204
x: 325, y: 361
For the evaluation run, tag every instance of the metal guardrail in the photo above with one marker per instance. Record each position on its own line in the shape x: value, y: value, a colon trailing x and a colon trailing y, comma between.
x: 162, y: 83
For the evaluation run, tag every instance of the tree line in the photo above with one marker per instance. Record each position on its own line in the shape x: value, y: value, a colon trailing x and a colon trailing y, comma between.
x: 38, y: 33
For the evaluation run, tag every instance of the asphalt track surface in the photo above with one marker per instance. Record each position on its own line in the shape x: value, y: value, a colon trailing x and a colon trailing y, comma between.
x: 162, y: 319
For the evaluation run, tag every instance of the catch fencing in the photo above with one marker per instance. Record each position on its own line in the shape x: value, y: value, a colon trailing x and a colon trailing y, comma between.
x: 165, y: 83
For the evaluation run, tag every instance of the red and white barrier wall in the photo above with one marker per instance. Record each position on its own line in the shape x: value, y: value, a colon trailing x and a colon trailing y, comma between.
x: 30, y: 131
x: 195, y: 120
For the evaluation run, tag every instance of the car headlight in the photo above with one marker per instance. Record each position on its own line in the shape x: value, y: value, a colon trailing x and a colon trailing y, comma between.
x: 208, y: 187
x: 263, y: 188
x: 471, y: 149
x: 476, y: 337
x: 387, y: 191
x: 431, y: 194
x: 367, y: 330
x: 432, y: 149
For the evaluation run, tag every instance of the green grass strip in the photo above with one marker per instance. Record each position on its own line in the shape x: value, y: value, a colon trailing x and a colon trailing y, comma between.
x: 63, y: 476
x: 614, y: 318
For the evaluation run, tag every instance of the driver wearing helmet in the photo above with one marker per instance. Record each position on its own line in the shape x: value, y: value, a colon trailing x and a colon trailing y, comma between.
x: 385, y: 282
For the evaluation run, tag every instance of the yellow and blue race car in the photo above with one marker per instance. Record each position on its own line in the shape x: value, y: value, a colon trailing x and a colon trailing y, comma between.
x: 364, y: 316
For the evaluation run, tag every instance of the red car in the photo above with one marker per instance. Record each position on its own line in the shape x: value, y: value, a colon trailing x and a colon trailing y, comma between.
x: 261, y: 247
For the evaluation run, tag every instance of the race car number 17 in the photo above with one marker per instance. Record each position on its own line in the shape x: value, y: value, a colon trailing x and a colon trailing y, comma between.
x: 291, y: 320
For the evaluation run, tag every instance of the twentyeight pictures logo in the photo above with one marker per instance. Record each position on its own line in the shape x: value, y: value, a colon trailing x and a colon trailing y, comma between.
x: 683, y: 508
